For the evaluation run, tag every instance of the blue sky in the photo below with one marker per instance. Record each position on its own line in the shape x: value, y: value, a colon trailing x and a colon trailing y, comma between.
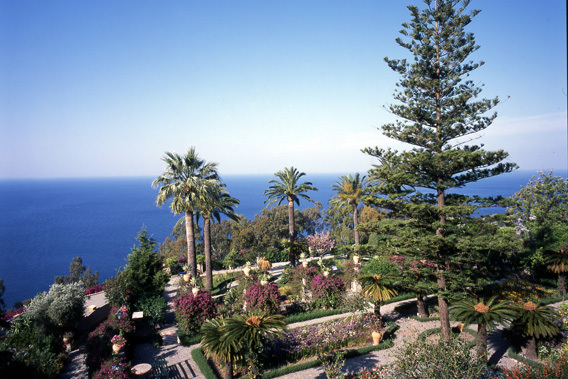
x: 104, y: 88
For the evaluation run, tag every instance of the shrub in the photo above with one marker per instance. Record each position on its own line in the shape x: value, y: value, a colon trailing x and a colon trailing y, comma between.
x: 327, y: 291
x: 276, y: 255
x: 115, y: 368
x: 379, y: 265
x: 193, y: 310
x: 265, y: 298
x: 557, y: 368
x: 95, y: 289
x: 154, y: 307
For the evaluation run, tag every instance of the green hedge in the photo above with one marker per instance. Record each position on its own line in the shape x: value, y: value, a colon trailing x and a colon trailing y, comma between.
x: 306, y: 316
x: 201, y: 361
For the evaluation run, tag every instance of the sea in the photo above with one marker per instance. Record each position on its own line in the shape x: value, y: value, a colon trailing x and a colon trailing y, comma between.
x: 44, y: 223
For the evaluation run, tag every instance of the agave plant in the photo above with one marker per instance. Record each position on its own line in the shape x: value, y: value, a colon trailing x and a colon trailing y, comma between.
x: 486, y: 314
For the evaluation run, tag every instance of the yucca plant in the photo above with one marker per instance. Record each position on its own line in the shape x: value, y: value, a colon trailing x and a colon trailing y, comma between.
x: 557, y: 262
x: 536, y: 322
x: 378, y: 289
x: 486, y: 314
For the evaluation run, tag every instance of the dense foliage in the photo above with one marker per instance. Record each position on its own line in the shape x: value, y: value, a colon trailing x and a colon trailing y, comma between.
x: 192, y: 310
x: 264, y: 298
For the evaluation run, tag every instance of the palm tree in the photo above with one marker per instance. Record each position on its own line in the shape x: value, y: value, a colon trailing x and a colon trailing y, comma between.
x: 214, y: 344
x: 378, y: 289
x: 350, y: 190
x: 217, y: 203
x: 288, y: 188
x: 486, y: 314
x: 536, y: 322
x: 186, y: 180
x: 557, y: 261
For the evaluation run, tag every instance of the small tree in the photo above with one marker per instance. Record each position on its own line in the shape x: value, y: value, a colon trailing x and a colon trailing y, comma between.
x: 557, y: 261
x: 536, y: 322
x: 486, y: 314
x: 378, y: 289
x: 215, y: 345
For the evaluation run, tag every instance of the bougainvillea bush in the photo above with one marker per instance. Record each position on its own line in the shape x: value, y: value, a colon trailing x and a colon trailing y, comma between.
x: 265, y: 298
x: 327, y: 292
x: 115, y: 368
x: 193, y: 310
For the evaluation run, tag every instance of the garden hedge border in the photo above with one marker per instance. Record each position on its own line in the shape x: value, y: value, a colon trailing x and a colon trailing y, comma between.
x: 385, y: 344
x: 202, y: 363
x: 514, y: 355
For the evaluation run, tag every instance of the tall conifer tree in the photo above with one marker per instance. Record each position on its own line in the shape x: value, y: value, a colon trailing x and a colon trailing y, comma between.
x: 438, y: 114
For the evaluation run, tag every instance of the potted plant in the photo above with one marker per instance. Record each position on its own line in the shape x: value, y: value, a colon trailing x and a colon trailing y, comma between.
x: 186, y: 275
x: 303, y: 257
x: 195, y: 287
x: 264, y: 279
x: 375, y: 324
x: 246, y: 270
x: 118, y: 343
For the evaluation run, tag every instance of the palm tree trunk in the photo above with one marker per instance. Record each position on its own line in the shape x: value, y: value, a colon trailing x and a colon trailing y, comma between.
x: 355, y: 223
x: 227, y: 370
x: 443, y: 308
x: 530, y: 349
x: 291, y: 231
x: 482, y: 341
x: 207, y: 252
x: 378, y: 308
x: 561, y: 285
x: 421, y: 306
x: 189, y: 232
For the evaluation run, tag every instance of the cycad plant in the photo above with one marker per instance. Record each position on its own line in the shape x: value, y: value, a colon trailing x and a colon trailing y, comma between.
x: 557, y: 262
x: 536, y: 322
x: 214, y: 344
x: 378, y: 289
x: 486, y: 314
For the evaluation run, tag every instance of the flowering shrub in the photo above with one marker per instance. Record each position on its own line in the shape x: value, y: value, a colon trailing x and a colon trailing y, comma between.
x: 11, y: 313
x: 116, y: 368
x: 558, y: 368
x: 326, y: 291
x: 310, y: 340
x: 378, y: 372
x: 321, y: 242
x: 95, y: 289
x: 265, y: 298
x: 192, y: 310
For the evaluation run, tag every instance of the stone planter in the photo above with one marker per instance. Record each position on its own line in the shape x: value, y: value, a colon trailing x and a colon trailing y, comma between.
x: 376, y: 337
x: 263, y: 282
x: 195, y: 291
x: 305, y: 264
x: 326, y: 273
x: 246, y: 270
x: 186, y: 277
x: 356, y: 259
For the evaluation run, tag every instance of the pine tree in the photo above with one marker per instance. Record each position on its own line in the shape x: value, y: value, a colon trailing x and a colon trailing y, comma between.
x: 438, y: 113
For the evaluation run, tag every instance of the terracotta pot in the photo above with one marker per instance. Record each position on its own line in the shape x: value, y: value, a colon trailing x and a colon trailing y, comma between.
x: 247, y: 271
x: 305, y: 263
x: 116, y: 348
x: 356, y: 259
x: 376, y: 338
x: 186, y: 277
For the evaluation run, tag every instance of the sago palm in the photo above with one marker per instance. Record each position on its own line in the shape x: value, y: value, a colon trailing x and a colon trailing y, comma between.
x: 349, y: 192
x: 557, y: 262
x: 250, y: 332
x: 378, y: 289
x: 536, y: 322
x: 215, y: 345
x: 217, y: 203
x: 187, y: 180
x: 486, y: 314
x: 288, y: 188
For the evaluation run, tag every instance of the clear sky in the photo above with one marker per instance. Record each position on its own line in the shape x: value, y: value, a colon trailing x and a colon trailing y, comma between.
x: 104, y: 88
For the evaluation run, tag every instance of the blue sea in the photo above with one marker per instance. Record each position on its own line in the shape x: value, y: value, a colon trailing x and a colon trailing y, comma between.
x: 45, y: 223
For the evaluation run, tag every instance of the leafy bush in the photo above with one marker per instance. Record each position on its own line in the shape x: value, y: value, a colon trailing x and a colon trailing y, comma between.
x: 327, y: 291
x: 154, y: 307
x: 115, y: 368
x: 193, y: 310
x: 557, y: 368
x: 264, y: 298
x: 379, y: 265
x: 276, y: 255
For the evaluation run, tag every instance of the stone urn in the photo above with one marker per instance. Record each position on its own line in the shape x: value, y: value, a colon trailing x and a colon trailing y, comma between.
x: 246, y: 270
x: 305, y: 264
x: 195, y: 291
x: 326, y: 273
x: 356, y: 259
x: 263, y: 282
x: 116, y: 348
x: 376, y: 337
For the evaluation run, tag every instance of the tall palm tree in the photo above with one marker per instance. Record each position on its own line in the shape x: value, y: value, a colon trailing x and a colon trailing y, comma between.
x: 536, y: 322
x: 557, y: 261
x: 288, y: 188
x: 486, y: 314
x: 187, y: 180
x: 214, y: 344
x: 378, y: 289
x: 218, y: 203
x: 350, y: 190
